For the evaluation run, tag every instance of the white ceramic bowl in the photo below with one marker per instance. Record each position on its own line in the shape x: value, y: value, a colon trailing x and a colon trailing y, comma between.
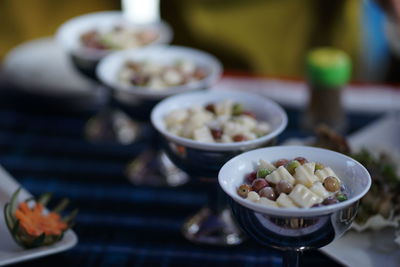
x: 353, y: 175
x: 109, y: 68
x: 68, y: 34
x: 262, y: 107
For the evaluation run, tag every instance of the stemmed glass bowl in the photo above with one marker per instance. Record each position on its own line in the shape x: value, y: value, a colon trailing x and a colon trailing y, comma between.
x: 109, y: 122
x: 293, y: 229
x: 213, y: 224
x: 86, y: 59
x: 138, y: 101
x: 142, y: 99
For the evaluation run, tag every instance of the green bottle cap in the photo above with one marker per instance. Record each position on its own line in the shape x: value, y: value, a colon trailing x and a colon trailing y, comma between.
x: 328, y: 67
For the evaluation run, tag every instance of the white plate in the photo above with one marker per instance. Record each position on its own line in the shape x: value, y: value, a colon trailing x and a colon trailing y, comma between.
x: 371, y: 249
x: 42, y: 67
x: 367, y: 249
x: 367, y: 98
x: 10, y: 252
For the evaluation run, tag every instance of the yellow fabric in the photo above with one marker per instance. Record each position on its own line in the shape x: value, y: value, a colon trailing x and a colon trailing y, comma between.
x: 22, y: 20
x: 272, y: 36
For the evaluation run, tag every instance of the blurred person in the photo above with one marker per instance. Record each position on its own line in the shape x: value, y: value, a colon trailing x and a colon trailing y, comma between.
x: 392, y: 31
x: 392, y: 8
x: 268, y: 37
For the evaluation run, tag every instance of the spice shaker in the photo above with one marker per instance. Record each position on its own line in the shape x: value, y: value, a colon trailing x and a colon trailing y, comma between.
x: 328, y: 71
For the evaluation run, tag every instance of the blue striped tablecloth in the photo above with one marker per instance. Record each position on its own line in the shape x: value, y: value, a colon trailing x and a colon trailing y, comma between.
x: 119, y: 224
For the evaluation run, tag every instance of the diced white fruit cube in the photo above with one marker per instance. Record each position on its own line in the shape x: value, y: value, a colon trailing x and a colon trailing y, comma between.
x: 280, y: 174
x: 249, y: 135
x: 172, y: 77
x: 187, y: 67
x: 304, y: 174
x: 199, y: 119
x: 223, y: 119
x: 262, y: 128
x: 304, y: 197
x: 309, y: 166
x: 176, y: 129
x: 213, y: 124
x: 284, y: 201
x: 226, y: 138
x: 176, y: 117
x: 195, y: 108
x: 224, y: 108
x: 253, y: 196
x: 125, y: 75
x: 156, y: 84
x: 147, y: 67
x: 320, y: 190
x: 325, y: 172
x: 267, y: 202
x: 233, y: 128
x: 247, y: 121
x: 263, y: 164
x: 203, y: 134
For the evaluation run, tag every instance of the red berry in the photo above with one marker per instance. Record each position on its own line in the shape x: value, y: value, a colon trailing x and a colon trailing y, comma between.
x: 301, y: 160
x: 244, y: 190
x: 239, y: 138
x: 259, y: 184
x: 284, y: 187
x: 199, y: 74
x: 251, y: 176
x: 210, y: 107
x: 216, y: 133
x: 316, y: 205
x: 330, y: 201
x: 281, y: 162
x: 268, y: 192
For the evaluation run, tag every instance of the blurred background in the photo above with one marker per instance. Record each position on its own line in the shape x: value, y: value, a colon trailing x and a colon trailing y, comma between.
x: 262, y: 37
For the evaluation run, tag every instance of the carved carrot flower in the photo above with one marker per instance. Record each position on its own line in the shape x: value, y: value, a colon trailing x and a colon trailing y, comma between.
x: 31, y: 225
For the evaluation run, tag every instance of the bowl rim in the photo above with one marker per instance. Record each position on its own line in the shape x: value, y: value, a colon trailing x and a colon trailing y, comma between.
x: 97, y: 54
x: 292, y: 212
x: 234, y: 146
x: 144, y: 91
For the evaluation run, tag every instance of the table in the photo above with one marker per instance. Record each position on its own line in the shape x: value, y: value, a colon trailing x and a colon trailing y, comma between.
x: 119, y: 224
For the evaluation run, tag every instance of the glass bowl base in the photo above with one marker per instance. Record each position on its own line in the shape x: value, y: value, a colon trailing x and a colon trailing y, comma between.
x: 154, y: 168
x: 111, y: 125
x: 213, y: 228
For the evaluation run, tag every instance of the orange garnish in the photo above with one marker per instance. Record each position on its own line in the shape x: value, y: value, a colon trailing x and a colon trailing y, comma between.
x: 35, y: 222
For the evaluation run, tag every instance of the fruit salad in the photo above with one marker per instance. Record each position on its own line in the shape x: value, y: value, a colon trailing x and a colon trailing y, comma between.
x: 295, y: 183
x: 221, y: 122
x: 156, y: 76
x: 119, y: 37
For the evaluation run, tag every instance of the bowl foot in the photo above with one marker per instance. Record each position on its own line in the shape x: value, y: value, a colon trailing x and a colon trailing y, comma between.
x: 156, y: 169
x: 111, y: 125
x: 213, y: 228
